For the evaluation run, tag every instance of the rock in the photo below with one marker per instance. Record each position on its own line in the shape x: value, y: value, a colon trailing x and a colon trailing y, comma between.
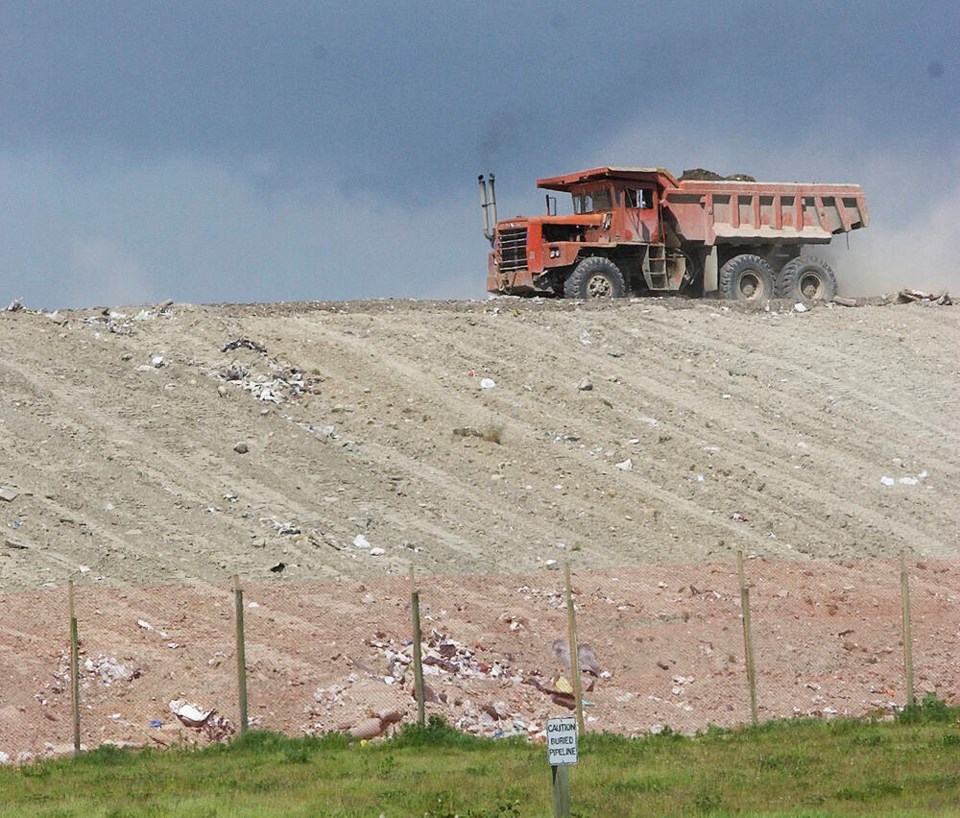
x: 586, y: 657
x: 241, y: 448
x: 586, y: 385
x: 8, y: 493
x: 361, y: 542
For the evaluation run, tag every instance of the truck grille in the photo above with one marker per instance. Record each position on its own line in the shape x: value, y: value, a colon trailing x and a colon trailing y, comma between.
x: 512, y: 249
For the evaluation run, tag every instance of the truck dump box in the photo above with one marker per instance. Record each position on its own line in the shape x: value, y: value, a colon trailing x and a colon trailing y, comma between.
x: 720, y: 212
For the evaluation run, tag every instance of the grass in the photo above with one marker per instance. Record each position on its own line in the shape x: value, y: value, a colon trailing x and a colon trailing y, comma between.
x: 801, y: 768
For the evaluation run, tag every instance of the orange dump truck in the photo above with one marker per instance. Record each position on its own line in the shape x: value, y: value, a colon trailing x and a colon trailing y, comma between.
x: 641, y: 230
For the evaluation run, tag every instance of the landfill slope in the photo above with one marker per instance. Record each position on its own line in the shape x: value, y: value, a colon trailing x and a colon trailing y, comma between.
x: 325, y: 440
x: 320, y: 450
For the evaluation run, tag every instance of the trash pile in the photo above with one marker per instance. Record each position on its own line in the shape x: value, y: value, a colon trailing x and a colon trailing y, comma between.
x: 108, y: 669
x: 475, y: 693
x: 283, y: 383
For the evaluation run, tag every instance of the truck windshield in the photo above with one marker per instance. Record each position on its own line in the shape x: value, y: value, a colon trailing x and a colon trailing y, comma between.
x: 591, y: 202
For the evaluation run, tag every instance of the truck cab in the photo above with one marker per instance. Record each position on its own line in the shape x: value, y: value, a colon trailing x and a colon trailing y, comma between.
x: 617, y: 222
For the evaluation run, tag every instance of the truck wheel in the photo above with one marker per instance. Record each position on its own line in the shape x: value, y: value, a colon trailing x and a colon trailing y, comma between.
x: 746, y: 278
x: 595, y: 277
x: 807, y: 278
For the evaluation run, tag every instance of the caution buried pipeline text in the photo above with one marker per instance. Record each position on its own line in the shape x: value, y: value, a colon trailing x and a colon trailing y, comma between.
x: 562, y: 741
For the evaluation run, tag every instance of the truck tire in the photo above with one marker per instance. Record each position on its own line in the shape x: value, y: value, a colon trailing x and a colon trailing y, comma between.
x: 806, y: 278
x: 746, y: 278
x: 595, y: 277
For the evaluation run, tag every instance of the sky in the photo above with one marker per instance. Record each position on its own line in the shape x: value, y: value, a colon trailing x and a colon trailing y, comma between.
x: 243, y: 151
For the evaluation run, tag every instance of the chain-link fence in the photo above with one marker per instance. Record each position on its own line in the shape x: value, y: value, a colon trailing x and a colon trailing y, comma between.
x: 660, y: 646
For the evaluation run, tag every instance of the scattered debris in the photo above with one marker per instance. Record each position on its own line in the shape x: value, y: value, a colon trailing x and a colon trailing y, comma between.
x: 942, y: 298
x: 214, y: 727
x: 376, y: 725
x: 909, y: 480
x: 487, y: 383
x: 246, y: 343
x: 626, y: 465
x: 8, y: 493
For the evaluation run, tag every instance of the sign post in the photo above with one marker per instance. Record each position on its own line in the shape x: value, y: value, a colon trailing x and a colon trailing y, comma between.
x: 561, y: 752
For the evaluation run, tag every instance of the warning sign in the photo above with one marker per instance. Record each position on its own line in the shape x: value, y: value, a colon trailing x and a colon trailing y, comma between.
x: 562, y: 741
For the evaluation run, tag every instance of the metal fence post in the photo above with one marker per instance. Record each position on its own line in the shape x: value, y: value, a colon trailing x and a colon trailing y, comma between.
x: 241, y: 654
x: 747, y: 638
x: 417, y: 652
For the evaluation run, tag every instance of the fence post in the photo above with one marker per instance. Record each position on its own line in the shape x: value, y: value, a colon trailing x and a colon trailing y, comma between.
x: 907, y: 635
x: 241, y: 653
x: 417, y: 652
x: 574, y: 652
x: 747, y: 638
x: 74, y: 669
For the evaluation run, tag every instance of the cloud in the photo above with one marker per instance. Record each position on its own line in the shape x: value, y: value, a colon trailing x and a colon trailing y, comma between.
x: 201, y: 231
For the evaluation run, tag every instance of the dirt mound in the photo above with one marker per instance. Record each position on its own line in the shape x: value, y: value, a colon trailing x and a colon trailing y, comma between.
x: 703, y: 175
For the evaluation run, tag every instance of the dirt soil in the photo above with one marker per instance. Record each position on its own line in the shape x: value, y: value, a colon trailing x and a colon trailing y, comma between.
x: 321, y: 450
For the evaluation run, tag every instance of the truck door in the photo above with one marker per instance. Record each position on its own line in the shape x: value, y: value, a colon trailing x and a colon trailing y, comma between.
x: 641, y: 211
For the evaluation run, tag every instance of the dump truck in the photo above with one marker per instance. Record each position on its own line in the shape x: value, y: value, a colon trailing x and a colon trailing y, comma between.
x: 639, y: 230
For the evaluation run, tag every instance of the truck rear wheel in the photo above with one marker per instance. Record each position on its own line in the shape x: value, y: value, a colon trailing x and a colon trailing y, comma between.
x: 595, y: 277
x: 746, y: 278
x: 807, y: 278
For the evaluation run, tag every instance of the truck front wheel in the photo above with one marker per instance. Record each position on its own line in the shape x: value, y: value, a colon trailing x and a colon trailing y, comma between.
x: 595, y: 277
x: 806, y: 278
x: 746, y: 278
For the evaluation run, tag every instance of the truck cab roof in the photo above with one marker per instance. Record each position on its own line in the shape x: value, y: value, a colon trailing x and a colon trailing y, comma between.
x: 624, y: 174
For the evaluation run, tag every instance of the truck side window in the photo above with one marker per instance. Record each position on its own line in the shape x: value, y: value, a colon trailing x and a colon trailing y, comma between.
x: 593, y: 202
x: 641, y: 198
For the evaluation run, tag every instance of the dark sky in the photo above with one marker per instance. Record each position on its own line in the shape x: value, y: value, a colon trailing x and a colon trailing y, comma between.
x: 244, y: 151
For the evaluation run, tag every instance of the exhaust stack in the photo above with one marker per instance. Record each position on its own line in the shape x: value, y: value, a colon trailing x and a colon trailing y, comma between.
x: 488, y: 207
